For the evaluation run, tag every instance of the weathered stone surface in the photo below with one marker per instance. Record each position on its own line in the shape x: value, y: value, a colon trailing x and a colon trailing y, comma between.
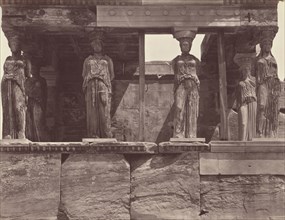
x: 29, y: 186
x: 243, y: 197
x: 95, y: 187
x: 281, y: 128
x: 233, y: 125
x: 242, y: 163
x: 166, y: 187
x: 256, y: 145
x: 181, y: 147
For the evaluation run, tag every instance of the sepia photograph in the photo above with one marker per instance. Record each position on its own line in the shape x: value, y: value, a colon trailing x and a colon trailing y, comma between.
x: 142, y: 110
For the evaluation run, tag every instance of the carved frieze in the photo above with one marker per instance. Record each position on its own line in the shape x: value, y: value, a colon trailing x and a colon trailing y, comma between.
x: 138, y: 2
x: 167, y: 16
x: 71, y: 2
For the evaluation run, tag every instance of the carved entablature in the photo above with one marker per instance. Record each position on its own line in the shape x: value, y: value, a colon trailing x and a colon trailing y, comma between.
x: 250, y: 2
x: 138, y: 2
x: 47, y: 17
x: 71, y: 2
x: 259, y: 17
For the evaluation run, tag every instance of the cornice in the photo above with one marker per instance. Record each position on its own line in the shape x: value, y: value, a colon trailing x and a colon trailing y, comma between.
x: 134, y: 2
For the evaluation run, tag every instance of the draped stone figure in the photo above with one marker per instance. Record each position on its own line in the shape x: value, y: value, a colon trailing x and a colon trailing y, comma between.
x: 36, y: 90
x: 98, y: 72
x: 16, y: 69
x: 246, y: 98
x: 268, y: 87
x: 186, y: 88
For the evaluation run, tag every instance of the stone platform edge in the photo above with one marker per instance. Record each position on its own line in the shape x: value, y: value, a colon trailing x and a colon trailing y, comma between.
x: 79, y: 147
x: 262, y: 146
x: 257, y: 145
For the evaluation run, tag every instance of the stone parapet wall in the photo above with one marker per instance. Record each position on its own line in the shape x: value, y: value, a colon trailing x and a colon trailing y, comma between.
x: 142, y: 181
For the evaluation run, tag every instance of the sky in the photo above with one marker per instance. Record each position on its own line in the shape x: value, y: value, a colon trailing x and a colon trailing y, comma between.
x: 165, y: 47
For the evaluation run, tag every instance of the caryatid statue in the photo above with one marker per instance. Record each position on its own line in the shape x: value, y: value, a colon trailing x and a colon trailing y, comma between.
x: 186, y: 88
x: 98, y: 72
x: 36, y: 91
x: 246, y: 97
x: 268, y: 87
x: 16, y: 69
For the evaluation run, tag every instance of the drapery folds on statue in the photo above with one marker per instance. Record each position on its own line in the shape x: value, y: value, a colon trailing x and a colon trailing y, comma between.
x: 268, y: 86
x: 36, y: 90
x: 186, y: 88
x: 14, y: 102
x: 246, y: 97
x: 98, y: 72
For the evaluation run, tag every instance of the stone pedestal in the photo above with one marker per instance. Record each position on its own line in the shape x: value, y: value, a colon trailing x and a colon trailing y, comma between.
x: 166, y: 187
x: 95, y: 186
x: 29, y: 186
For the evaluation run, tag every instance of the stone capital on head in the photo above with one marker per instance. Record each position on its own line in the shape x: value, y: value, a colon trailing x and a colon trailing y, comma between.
x: 96, y: 35
x: 181, y: 35
x: 267, y: 34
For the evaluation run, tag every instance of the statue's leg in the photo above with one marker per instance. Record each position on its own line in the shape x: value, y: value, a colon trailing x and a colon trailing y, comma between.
x: 104, y: 111
x: 38, y: 123
x: 20, y: 112
x: 242, y: 121
x: 251, y: 120
x: 179, y: 112
x: 108, y: 116
x: 92, y: 109
x: 261, y: 105
x: 192, y: 106
x: 5, y: 108
x: 29, y: 123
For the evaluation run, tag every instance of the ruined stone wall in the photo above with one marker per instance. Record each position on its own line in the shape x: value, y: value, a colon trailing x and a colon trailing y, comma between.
x: 142, y: 181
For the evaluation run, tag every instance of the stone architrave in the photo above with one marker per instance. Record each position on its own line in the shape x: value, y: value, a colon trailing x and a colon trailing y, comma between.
x: 98, y: 72
x: 246, y: 97
x: 268, y: 85
x: 29, y: 186
x: 95, y: 186
x: 186, y: 87
x: 166, y: 187
x: 16, y: 69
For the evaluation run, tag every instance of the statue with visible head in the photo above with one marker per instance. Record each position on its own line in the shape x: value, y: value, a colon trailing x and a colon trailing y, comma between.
x: 246, y: 97
x: 16, y: 69
x: 186, y: 88
x: 36, y: 91
x: 268, y: 86
x: 98, y: 72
